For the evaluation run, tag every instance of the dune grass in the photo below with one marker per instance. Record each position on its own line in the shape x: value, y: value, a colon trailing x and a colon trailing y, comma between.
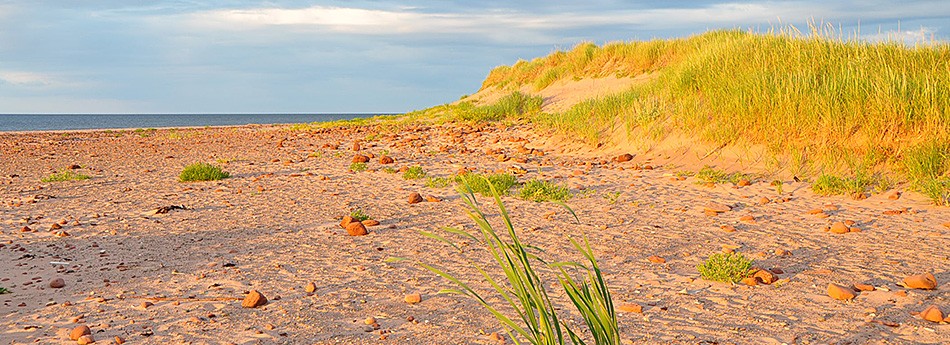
x: 725, y: 267
x: 710, y: 174
x: 485, y: 184
x: 414, y: 173
x: 65, y: 175
x: 540, y: 191
x: 358, y: 167
x: 202, y: 172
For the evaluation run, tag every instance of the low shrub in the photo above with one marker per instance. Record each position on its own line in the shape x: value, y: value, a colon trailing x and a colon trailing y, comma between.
x: 202, y: 172
x: 725, y: 267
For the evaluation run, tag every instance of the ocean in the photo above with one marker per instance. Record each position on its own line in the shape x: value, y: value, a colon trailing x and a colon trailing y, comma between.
x: 18, y: 122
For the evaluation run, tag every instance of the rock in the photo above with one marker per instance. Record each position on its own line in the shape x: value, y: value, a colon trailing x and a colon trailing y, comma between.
x: 57, y: 283
x: 413, y: 298
x: 630, y: 308
x: 716, y: 207
x: 863, y: 287
x: 254, y: 299
x: 728, y: 228
x: 360, y: 159
x: 26, y: 229
x: 310, y: 288
x: 626, y: 157
x: 370, y: 222
x: 415, y: 198
x: 356, y: 229
x: 146, y: 304
x: 894, y: 195
x: 79, y: 331
x: 356, y: 146
x: 656, y: 259
x: 346, y: 221
x: 86, y: 339
x: 386, y: 160
x: 764, y: 276
x: 747, y: 219
x: 925, y: 281
x: 839, y: 228
x: 369, y: 320
x: 946, y: 225
x: 750, y: 281
x: 55, y: 226
x: 744, y: 183
x: 432, y: 198
x: 839, y: 292
x: 932, y: 314
x: 763, y: 200
x: 816, y: 211
x: 119, y: 340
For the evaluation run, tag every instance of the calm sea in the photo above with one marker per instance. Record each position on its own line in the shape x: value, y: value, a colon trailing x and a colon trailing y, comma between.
x: 86, y: 121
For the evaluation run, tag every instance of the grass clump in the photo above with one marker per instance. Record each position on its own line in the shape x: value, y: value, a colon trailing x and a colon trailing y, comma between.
x: 358, y: 167
x: 414, y: 173
x: 710, y: 174
x: 524, y: 289
x: 438, y: 182
x: 725, y: 267
x: 65, y: 175
x: 540, y: 190
x: 927, y: 166
x: 358, y: 215
x: 202, y: 172
x: 485, y: 184
x: 389, y: 170
x: 827, y: 184
x: 4, y: 290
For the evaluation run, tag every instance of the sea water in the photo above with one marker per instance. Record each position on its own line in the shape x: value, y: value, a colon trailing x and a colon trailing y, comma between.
x: 18, y: 122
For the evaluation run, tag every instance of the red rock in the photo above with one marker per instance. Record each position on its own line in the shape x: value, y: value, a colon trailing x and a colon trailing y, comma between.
x: 413, y: 298
x: 777, y: 270
x: 57, y: 283
x: 946, y: 225
x: 119, y: 341
x: 750, y: 281
x: 79, y: 331
x: 656, y: 259
x: 626, y: 157
x: 26, y: 229
x: 816, y: 211
x: 146, y: 304
x: 839, y: 228
x: 415, y: 198
x: 310, y: 288
x: 863, y: 287
x: 254, y: 299
x: 747, y: 219
x: 360, y: 159
x: 356, y: 146
x: 764, y: 276
x: 432, y: 198
x: 932, y: 314
x: 895, y: 212
x: 839, y: 292
x: 743, y: 183
x: 631, y: 308
x: 346, y: 221
x: 716, y: 207
x: 356, y: 228
x: 370, y: 222
x: 764, y: 200
x: 55, y: 226
x: 895, y: 195
x: 386, y: 160
x: 925, y: 281
x: 728, y: 228
x: 86, y: 339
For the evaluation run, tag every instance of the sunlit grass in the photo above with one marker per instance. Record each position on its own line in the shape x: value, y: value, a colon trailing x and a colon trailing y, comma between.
x: 65, y: 175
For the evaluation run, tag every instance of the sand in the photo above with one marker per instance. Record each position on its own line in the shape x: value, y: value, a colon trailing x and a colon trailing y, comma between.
x: 274, y: 227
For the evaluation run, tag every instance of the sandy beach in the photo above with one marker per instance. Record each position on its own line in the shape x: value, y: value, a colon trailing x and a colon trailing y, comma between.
x: 180, y: 277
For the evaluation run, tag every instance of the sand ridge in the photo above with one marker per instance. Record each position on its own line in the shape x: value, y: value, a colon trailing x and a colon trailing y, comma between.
x: 274, y: 227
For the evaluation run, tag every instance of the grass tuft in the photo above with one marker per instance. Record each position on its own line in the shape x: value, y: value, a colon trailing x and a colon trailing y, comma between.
x: 540, y: 191
x: 414, y: 173
x: 484, y: 184
x: 358, y: 215
x: 438, y: 182
x: 725, y: 267
x: 710, y: 174
x: 4, y: 290
x: 358, y: 167
x: 65, y: 175
x: 202, y: 172
x: 827, y: 184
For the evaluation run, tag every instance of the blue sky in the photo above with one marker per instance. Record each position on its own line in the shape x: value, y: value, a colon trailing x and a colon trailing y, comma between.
x: 119, y: 56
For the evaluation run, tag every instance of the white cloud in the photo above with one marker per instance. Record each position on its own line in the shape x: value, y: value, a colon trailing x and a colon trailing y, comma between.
x: 20, y: 78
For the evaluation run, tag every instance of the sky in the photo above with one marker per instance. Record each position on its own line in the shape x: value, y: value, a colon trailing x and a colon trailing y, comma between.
x: 380, y: 56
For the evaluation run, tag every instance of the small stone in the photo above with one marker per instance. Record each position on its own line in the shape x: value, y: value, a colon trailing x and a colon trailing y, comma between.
x: 310, y: 288
x: 55, y: 226
x: 79, y: 331
x: 360, y: 159
x: 894, y: 195
x: 764, y: 276
x: 747, y: 219
x: 254, y: 299
x: 925, y: 281
x: 346, y: 221
x: 744, y: 183
x: 815, y: 211
x: 631, y: 308
x: 146, y: 304
x: 839, y: 292
x: 386, y: 160
x: 716, y: 207
x: 839, y: 228
x: 356, y: 229
x: 656, y: 259
x: 370, y: 222
x: 776, y: 270
x: 728, y: 228
x: 370, y: 320
x: 269, y: 326
x: 763, y: 200
x: 413, y: 298
x: 119, y: 340
x: 863, y: 287
x: 432, y: 198
x: 946, y: 225
x: 356, y: 146
x: 26, y: 229
x: 86, y: 339
x: 57, y: 283
x: 415, y: 198
x: 626, y: 157
x: 750, y: 281
x: 932, y: 314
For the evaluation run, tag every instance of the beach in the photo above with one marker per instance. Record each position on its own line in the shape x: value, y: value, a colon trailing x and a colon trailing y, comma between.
x: 149, y: 275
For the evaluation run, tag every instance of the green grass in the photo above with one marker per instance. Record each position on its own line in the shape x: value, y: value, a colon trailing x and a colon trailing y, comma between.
x: 358, y: 215
x: 438, y: 182
x: 414, y: 173
x: 710, y: 174
x: 612, y: 197
x: 828, y: 184
x: 927, y: 165
x: 390, y: 170
x: 725, y: 267
x: 937, y: 189
x: 525, y: 290
x: 4, y: 290
x: 484, y: 184
x: 540, y: 191
x: 202, y: 172
x: 358, y: 167
x: 65, y: 175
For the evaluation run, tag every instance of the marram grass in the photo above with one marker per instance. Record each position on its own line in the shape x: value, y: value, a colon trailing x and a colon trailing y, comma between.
x: 725, y: 267
x: 65, y: 175
x: 202, y: 172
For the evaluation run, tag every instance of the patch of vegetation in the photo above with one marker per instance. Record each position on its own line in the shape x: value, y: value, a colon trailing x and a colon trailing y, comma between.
x: 358, y: 215
x: 612, y: 197
x: 358, y: 167
x: 937, y: 189
x: 144, y: 132
x: 527, y: 292
x: 725, y: 267
x: 438, y: 182
x: 413, y: 173
x: 540, y: 191
x: 483, y: 184
x: 202, y: 172
x: 827, y: 184
x: 4, y: 290
x: 390, y: 170
x: 927, y: 166
x: 65, y: 175
x: 710, y: 174
x: 779, y: 186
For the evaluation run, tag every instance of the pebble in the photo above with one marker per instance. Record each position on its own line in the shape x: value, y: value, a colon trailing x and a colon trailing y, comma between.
x: 764, y: 200
x: 119, y: 340
x: 369, y: 320
x: 839, y: 292
x: 346, y: 221
x: 254, y: 299
x: 413, y: 298
x: 86, y: 339
x: 925, y: 281
x: 415, y: 198
x: 932, y: 314
x: 765, y: 276
x: 656, y: 259
x: 716, y: 207
x: 360, y: 159
x: 631, y: 308
x: 310, y: 288
x: 57, y: 283
x: 626, y: 157
x: 79, y: 331
x: 728, y: 228
x: 386, y: 160
x: 863, y: 287
x: 839, y: 228
x: 356, y: 229
x: 370, y: 222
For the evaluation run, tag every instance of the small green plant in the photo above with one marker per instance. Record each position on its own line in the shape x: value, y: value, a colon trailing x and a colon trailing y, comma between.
x: 414, y: 173
x: 438, y: 182
x: 710, y: 174
x: 937, y: 189
x: 4, y: 290
x: 540, y: 190
x: 358, y: 215
x: 65, y: 175
x: 612, y: 197
x: 483, y: 184
x: 827, y: 184
x: 358, y: 167
x: 202, y: 172
x: 526, y: 291
x: 389, y: 170
x: 725, y: 267
x: 778, y: 186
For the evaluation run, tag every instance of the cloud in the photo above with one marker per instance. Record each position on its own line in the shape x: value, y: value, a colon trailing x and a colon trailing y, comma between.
x: 31, y: 79
x: 923, y: 35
